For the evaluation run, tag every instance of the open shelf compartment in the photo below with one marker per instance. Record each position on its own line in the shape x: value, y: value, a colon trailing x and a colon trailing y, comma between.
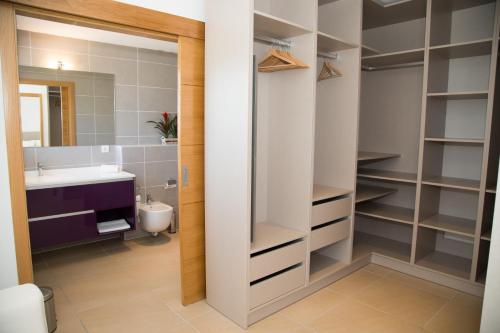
x: 322, y: 266
x: 393, y: 59
x: 395, y: 176
x: 272, y: 26
x: 365, y: 244
x: 369, y: 156
x: 369, y: 192
x: 268, y: 235
x: 386, y: 212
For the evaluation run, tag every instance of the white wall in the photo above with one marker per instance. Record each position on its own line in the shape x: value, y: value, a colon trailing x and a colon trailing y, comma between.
x: 8, y: 266
x: 194, y: 9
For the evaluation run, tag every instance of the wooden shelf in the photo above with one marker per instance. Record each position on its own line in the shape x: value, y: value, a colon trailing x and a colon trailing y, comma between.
x: 456, y: 140
x: 491, y: 188
x: 386, y: 212
x: 268, y: 235
x: 365, y: 244
x: 366, y: 192
x: 486, y: 236
x: 368, y: 51
x: 395, y: 176
x: 321, y: 192
x: 327, y: 43
x: 483, y: 94
x: 452, y: 224
x: 463, y: 50
x: 322, y: 266
x: 447, y: 263
x: 272, y: 26
x: 367, y: 156
x: 394, y: 58
x: 457, y: 183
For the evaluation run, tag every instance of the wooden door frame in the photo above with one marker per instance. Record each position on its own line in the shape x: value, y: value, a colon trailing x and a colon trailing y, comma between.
x: 118, y: 17
x: 39, y: 96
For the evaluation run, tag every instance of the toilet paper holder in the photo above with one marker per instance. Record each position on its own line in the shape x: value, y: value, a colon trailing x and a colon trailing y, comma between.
x: 171, y: 183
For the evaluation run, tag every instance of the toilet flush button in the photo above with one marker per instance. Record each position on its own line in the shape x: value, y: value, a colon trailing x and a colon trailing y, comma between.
x: 105, y: 149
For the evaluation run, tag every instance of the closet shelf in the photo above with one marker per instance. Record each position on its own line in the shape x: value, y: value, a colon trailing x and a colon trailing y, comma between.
x: 491, y: 188
x: 272, y: 26
x: 457, y: 183
x: 393, y: 58
x: 481, y: 94
x: 446, y: 263
x: 268, y: 235
x: 328, y: 43
x: 321, y: 192
x: 322, y: 266
x: 367, y: 156
x: 368, y: 51
x: 368, y: 192
x: 463, y: 50
x: 365, y: 244
x: 486, y: 236
x: 386, y: 212
x: 395, y: 176
x: 452, y: 224
x: 456, y: 140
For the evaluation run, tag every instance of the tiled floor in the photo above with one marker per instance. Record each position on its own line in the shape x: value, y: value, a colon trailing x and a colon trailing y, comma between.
x: 133, y: 286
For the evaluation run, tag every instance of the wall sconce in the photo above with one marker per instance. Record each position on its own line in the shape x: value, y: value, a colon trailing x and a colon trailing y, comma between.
x: 60, y: 65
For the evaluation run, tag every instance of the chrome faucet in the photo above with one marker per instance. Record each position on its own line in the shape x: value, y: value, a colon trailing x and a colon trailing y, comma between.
x: 39, y: 167
x: 149, y: 199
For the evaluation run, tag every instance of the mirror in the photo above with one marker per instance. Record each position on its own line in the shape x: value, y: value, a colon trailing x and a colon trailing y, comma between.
x: 66, y: 108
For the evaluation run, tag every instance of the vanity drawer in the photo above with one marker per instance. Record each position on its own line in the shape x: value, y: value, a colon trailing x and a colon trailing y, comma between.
x: 276, y: 286
x: 330, y: 211
x: 46, y: 232
x: 329, y: 234
x: 112, y: 195
x: 273, y: 261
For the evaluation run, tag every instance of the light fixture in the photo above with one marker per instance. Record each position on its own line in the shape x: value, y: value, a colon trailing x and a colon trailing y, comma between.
x: 389, y: 3
x: 60, y: 65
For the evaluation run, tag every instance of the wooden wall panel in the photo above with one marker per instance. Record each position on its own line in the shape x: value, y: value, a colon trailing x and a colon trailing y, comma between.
x: 191, y: 120
x: 8, y: 56
x: 192, y: 61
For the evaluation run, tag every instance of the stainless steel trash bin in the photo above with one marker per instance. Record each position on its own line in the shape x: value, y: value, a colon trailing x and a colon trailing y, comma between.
x: 50, y: 308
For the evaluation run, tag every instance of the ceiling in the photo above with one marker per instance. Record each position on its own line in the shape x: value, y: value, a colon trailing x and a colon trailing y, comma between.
x: 95, y: 35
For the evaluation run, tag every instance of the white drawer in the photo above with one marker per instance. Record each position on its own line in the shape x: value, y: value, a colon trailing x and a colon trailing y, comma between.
x: 329, y: 234
x: 276, y: 286
x: 330, y: 211
x: 276, y: 260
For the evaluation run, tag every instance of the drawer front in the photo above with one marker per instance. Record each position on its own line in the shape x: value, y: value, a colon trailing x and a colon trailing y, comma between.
x: 329, y: 234
x: 277, y: 286
x: 274, y: 261
x: 110, y: 195
x: 60, y: 230
x: 330, y: 211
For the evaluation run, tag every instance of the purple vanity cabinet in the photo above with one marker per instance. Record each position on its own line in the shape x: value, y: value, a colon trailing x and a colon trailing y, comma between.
x: 63, y: 215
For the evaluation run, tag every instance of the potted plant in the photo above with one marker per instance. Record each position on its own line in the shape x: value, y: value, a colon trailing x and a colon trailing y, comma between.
x: 167, y: 126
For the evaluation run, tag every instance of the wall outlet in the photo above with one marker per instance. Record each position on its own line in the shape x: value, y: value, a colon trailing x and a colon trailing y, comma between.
x: 104, y: 149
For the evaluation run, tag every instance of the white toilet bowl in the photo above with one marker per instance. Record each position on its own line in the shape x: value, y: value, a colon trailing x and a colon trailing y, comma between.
x: 155, y: 217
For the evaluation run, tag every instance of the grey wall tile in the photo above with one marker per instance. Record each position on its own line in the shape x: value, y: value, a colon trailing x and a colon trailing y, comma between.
x: 83, y: 85
x: 168, y: 197
x: 138, y: 170
x: 84, y: 105
x: 158, y: 56
x: 157, y: 173
x: 23, y: 38
x: 126, y: 123
x: 104, y: 87
x: 104, y: 105
x: 156, y: 75
x: 132, y: 154
x: 125, y: 71
x: 104, y: 123
x: 153, y: 99
x: 23, y: 56
x: 126, y: 98
x: 85, y: 139
x: 44, y: 41
x: 150, y: 140
x: 44, y: 58
x: 35, y: 75
x: 126, y: 140
x: 161, y: 153
x: 99, y: 158
x: 147, y: 129
x: 29, y: 158
x: 105, y: 139
x: 63, y: 156
x: 85, y: 124
x: 113, y: 51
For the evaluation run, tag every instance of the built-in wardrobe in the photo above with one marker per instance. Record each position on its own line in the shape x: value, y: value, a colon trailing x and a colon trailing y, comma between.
x: 391, y: 157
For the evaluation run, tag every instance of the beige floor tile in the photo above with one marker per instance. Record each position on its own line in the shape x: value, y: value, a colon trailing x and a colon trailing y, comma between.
x: 74, y: 254
x: 354, y: 283
x: 276, y: 324
x: 462, y: 314
x: 424, y: 285
x: 214, y: 322
x: 377, y: 269
x: 190, y: 311
x: 311, y: 307
x: 409, y: 304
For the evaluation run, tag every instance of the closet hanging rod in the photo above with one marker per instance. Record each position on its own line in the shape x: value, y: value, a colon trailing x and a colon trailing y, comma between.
x: 328, y: 55
x: 380, y: 68
x: 273, y: 41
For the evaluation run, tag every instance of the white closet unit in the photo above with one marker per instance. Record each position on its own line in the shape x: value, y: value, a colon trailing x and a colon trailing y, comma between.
x: 392, y: 161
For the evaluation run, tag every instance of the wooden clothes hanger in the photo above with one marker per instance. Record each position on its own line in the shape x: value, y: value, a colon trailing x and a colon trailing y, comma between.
x: 279, y: 60
x: 329, y: 71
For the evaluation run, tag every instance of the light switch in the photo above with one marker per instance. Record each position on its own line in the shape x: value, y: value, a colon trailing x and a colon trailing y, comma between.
x: 104, y: 149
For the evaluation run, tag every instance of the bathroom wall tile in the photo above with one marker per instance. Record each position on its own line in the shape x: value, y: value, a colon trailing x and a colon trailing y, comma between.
x: 125, y: 71
x: 23, y: 38
x: 138, y: 170
x: 105, y: 139
x: 156, y: 75
x: 72, y: 61
x: 23, y: 56
x: 153, y: 99
x: 149, y: 140
x: 85, y: 139
x: 161, y: 153
x: 158, y: 57
x: 126, y: 123
x: 104, y: 87
x: 64, y: 156
x: 44, y: 41
x: 148, y: 129
x: 157, y: 173
x: 84, y: 105
x: 85, y: 124
x: 83, y: 85
x: 113, y: 51
x: 29, y: 158
x: 126, y: 140
x: 126, y: 98
x: 167, y: 196
x: 104, y: 105
x: 99, y: 158
x: 37, y: 73
x: 104, y: 123
x: 132, y: 154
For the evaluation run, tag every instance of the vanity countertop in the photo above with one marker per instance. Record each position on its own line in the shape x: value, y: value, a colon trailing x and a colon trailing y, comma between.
x: 73, y: 176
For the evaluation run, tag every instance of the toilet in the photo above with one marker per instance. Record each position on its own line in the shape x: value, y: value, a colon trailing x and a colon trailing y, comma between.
x: 155, y: 216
